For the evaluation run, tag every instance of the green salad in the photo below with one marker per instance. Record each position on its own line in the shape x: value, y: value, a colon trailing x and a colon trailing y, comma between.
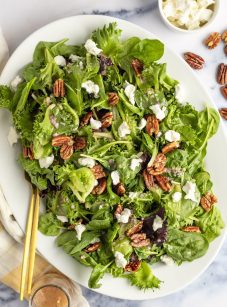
x: 116, y: 155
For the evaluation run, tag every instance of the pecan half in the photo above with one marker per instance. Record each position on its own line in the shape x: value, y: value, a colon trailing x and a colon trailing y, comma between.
x: 142, y: 243
x: 120, y: 189
x: 66, y: 151
x: 137, y: 237
x: 194, y: 60
x: 79, y: 143
x: 191, y: 229
x: 223, y: 90
x: 224, y: 36
x: 93, y: 247
x: 59, y: 88
x: 164, y: 183
x: 208, y: 200
x: 28, y: 152
x: 225, y: 49
x: 213, y: 40
x: 223, y: 112
x: 60, y: 140
x: 85, y: 119
x: 135, y: 229
x: 137, y: 66
x: 148, y: 179
x: 133, y: 266
x: 106, y: 120
x: 152, y: 125
x: 100, y: 188
x: 222, y: 74
x: 113, y: 98
x: 158, y: 166
x: 118, y: 209
x: 98, y: 171
x: 170, y: 147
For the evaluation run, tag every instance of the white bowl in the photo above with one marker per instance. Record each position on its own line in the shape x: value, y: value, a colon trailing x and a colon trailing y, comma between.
x: 178, y: 29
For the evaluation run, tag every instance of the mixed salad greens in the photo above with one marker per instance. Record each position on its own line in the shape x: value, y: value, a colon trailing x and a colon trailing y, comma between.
x: 117, y: 157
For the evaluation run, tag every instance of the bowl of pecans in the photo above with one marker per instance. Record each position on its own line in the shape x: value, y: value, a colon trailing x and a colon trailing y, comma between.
x: 188, y: 16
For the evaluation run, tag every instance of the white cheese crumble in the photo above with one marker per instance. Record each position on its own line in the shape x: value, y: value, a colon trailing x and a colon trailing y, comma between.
x: 62, y: 218
x: 115, y: 177
x: 89, y: 162
x: 190, y: 188
x: 15, y: 82
x: 176, y: 196
x: 12, y: 136
x: 124, y: 216
x: 172, y: 136
x: 74, y: 58
x: 159, y: 113
x: 167, y: 260
x: 135, y: 163
x: 158, y: 222
x: 92, y: 48
x: 142, y: 124
x: 91, y: 88
x: 133, y: 195
x: 188, y: 14
x: 95, y: 240
x: 130, y: 92
x: 120, y: 260
x: 95, y: 124
x: 46, y: 162
x: 179, y: 93
x: 60, y: 60
x: 80, y: 228
x: 123, y: 130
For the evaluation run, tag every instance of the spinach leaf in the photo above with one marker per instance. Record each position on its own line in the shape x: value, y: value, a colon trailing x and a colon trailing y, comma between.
x: 49, y: 225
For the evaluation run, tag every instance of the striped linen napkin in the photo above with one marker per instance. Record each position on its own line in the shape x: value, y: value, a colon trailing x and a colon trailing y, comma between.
x: 11, y: 235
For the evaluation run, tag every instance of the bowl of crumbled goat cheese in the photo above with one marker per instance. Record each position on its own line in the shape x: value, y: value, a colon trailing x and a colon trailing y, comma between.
x: 188, y: 15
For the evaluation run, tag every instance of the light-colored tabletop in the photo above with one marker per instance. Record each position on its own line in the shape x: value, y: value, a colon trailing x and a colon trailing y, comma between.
x: 20, y: 18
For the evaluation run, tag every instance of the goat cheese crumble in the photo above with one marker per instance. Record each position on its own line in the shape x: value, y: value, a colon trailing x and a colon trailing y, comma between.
x: 62, y: 218
x: 130, y: 92
x: 95, y: 124
x: 172, y: 136
x: 176, y: 196
x: 92, y: 48
x: 159, y: 113
x: 46, y: 162
x: 158, y: 222
x: 60, y: 60
x: 124, y: 216
x: 123, y: 130
x: 80, y: 228
x: 89, y: 162
x: 91, y: 88
x: 115, y: 177
x: 135, y: 163
x: 167, y: 260
x: 142, y: 124
x: 190, y: 189
x: 120, y: 260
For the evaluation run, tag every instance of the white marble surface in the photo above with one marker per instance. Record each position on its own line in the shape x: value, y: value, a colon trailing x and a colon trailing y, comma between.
x: 20, y: 18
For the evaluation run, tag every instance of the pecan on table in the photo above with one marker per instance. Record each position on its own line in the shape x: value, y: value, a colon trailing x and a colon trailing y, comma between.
x: 222, y: 74
x: 137, y: 66
x: 223, y: 112
x: 100, y: 188
x: 98, y: 171
x: 79, y: 143
x: 106, y: 119
x: 170, y: 147
x: 113, y: 98
x: 133, y: 266
x: 208, y: 200
x: 191, y: 229
x: 142, y: 243
x: 148, y: 179
x: 163, y: 183
x: 59, y: 88
x: 213, y: 40
x: 85, y: 119
x: 158, y: 166
x: 223, y: 90
x: 194, y: 60
x: 152, y: 125
x: 134, y: 229
x: 120, y: 189
x: 224, y: 36
x: 93, y: 247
